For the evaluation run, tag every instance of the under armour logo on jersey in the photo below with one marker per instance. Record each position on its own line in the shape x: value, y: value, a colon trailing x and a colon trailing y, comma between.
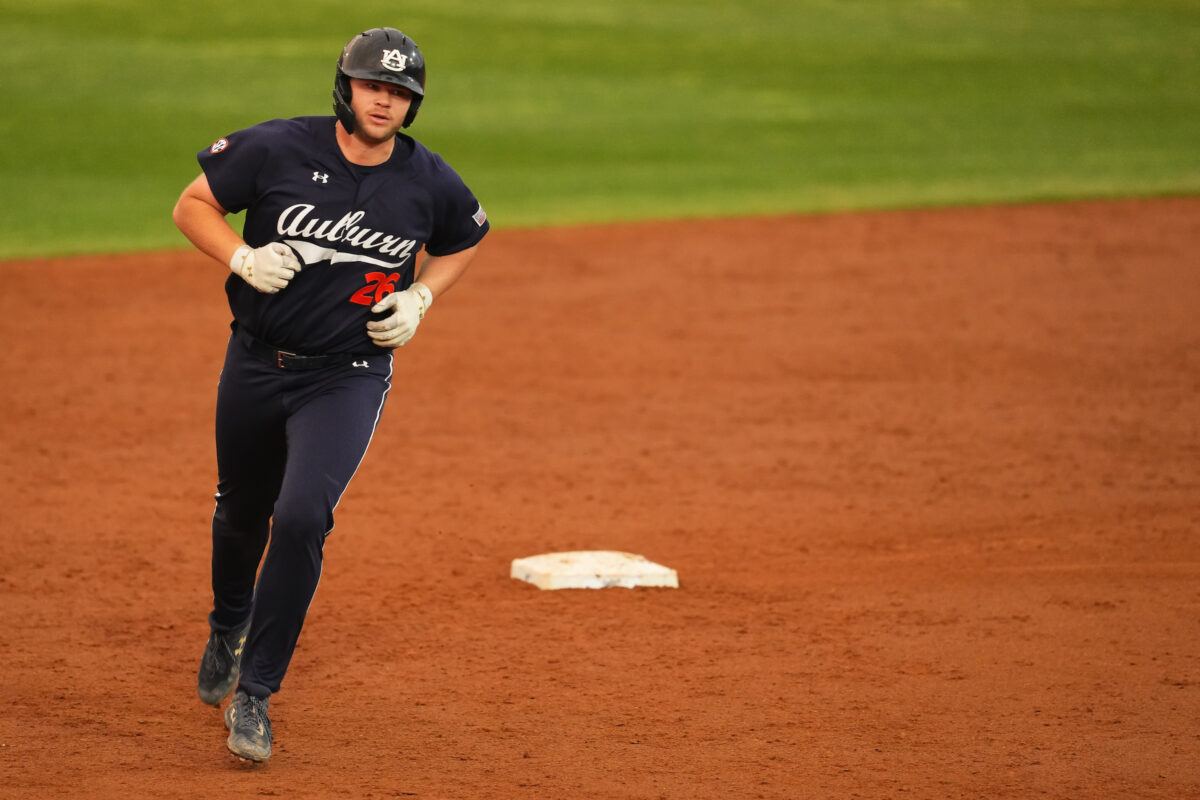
x: 360, y: 364
x: 394, y: 60
x: 323, y: 177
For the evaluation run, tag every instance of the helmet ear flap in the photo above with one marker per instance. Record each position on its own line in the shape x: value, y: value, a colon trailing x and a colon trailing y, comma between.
x: 341, y: 101
x: 412, y: 110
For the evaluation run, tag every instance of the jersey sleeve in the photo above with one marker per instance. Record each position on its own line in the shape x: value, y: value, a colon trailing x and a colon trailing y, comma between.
x: 232, y: 165
x: 460, y: 221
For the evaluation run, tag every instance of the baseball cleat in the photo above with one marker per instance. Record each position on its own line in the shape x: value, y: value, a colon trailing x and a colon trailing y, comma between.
x: 219, y: 666
x: 249, y: 727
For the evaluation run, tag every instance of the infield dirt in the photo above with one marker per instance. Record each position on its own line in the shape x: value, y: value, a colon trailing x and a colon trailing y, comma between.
x: 929, y: 479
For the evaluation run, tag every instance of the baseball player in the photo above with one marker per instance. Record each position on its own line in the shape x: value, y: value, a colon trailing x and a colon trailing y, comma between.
x: 322, y: 288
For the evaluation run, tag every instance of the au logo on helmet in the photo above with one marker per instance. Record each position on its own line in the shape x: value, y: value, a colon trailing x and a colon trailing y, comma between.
x: 394, y: 60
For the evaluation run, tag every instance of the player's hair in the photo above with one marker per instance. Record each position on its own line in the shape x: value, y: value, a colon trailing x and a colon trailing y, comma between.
x: 380, y: 54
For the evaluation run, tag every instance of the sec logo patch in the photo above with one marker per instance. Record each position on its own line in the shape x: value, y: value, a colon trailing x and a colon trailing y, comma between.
x: 219, y: 145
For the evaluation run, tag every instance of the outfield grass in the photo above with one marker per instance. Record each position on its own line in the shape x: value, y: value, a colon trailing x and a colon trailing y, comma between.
x: 562, y: 111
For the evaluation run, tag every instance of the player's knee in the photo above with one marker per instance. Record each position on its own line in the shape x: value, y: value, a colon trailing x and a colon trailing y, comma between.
x: 301, y: 526
x: 234, y: 519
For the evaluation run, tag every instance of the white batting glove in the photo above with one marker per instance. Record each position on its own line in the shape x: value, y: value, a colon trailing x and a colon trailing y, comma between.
x: 268, y: 268
x: 407, y: 310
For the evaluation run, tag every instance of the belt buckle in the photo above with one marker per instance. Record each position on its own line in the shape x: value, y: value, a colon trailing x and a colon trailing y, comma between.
x: 279, y: 354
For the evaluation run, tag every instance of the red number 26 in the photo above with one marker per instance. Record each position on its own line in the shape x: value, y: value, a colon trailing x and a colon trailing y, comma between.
x: 378, y: 287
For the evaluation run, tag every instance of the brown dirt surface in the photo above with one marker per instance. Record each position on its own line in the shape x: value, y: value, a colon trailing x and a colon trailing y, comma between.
x: 929, y: 480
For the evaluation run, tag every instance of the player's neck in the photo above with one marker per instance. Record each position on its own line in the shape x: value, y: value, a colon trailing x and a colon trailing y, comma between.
x: 364, y: 152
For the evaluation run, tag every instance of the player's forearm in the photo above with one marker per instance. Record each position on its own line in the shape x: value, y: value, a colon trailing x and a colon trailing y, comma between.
x: 439, y: 273
x: 206, y: 228
x: 201, y: 219
x: 403, y: 311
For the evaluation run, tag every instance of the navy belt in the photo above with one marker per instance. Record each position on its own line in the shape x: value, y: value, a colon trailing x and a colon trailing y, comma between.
x: 287, y: 360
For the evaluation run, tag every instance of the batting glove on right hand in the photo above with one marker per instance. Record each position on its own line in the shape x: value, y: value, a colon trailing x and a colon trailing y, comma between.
x: 268, y: 268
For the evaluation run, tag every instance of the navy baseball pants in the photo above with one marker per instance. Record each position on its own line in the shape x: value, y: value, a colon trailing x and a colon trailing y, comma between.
x: 288, y: 443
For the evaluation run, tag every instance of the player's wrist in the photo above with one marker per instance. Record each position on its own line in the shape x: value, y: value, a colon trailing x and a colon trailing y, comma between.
x: 238, y: 260
x: 422, y: 293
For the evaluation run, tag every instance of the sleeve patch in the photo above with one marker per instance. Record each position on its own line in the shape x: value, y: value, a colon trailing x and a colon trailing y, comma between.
x: 218, y: 145
x: 480, y: 216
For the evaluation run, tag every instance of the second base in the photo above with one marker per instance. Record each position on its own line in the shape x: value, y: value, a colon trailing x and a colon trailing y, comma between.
x: 592, y: 569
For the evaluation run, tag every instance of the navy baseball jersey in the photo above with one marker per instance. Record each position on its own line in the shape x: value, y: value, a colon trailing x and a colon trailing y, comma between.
x: 357, y: 230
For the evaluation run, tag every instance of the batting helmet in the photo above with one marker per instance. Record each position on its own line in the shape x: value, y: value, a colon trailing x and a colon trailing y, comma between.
x: 380, y: 54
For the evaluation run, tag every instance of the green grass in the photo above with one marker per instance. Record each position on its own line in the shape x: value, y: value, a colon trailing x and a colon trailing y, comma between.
x: 560, y: 111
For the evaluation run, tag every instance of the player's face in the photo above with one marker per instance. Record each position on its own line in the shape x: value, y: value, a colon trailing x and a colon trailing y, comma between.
x: 379, y: 108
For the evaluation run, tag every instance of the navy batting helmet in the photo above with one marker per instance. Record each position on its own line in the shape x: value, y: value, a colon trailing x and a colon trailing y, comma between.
x: 380, y: 54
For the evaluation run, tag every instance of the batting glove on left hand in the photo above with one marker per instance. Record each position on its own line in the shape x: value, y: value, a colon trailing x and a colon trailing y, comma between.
x: 407, y: 310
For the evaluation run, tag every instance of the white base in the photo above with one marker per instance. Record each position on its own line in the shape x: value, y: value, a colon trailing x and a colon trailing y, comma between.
x: 592, y: 569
